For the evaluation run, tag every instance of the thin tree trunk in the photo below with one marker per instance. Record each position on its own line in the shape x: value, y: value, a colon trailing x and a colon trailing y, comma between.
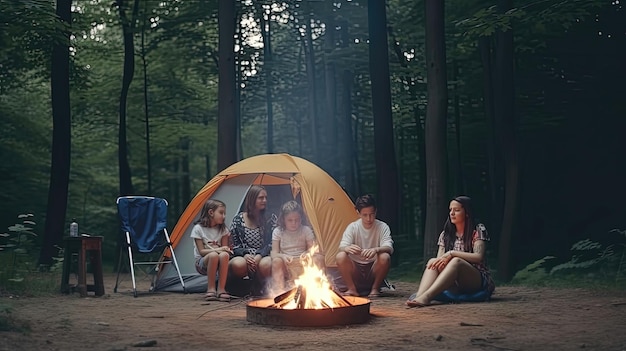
x: 344, y: 125
x: 436, y: 114
x: 237, y: 103
x: 185, y: 178
x: 423, y: 183
x: 459, y: 180
x: 348, y: 141
x: 144, y: 65
x: 309, y: 54
x: 330, y: 162
x: 61, y: 140
x: 128, y: 25
x: 267, y: 69
x: 226, y: 120
x: 385, y: 155
x: 493, y: 180
x: 504, y: 108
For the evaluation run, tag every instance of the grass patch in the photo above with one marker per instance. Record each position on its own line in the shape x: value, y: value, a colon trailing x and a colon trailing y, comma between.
x: 9, y: 323
x: 32, y: 284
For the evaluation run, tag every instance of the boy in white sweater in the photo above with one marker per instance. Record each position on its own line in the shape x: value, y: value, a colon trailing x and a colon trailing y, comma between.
x: 365, y: 251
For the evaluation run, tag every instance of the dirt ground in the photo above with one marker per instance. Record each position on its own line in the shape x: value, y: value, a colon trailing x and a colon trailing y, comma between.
x: 518, y: 318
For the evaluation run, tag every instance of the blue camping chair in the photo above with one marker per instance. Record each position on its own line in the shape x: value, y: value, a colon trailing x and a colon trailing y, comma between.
x: 144, y: 225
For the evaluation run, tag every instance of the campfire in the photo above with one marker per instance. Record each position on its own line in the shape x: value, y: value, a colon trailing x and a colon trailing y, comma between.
x: 311, y: 302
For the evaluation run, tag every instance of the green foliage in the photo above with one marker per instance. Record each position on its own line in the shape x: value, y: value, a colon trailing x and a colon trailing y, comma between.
x: 18, y: 270
x: 591, y: 261
x: 534, y: 273
x: 16, y: 249
x: 9, y: 323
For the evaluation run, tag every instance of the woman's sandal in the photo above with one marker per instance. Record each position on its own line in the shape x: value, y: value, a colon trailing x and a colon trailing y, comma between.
x: 211, y: 296
x: 413, y: 303
x: 226, y: 297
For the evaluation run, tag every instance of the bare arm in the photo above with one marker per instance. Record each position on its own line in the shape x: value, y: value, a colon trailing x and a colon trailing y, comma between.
x: 472, y: 257
x: 275, y: 249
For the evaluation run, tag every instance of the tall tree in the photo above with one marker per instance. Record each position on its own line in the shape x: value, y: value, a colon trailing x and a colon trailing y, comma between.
x: 61, y: 137
x: 309, y: 53
x: 128, y: 30
x: 330, y: 163
x: 436, y: 116
x: 386, y: 166
x: 226, y: 119
x: 505, y: 129
x: 266, y: 33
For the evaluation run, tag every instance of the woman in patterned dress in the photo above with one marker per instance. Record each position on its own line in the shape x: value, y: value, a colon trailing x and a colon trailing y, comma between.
x: 251, y: 235
x: 460, y: 263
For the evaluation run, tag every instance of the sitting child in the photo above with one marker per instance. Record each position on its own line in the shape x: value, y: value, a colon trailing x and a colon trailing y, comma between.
x: 211, y: 249
x: 290, y: 240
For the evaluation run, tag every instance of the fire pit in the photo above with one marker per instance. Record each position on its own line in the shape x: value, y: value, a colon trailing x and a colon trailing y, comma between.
x: 352, y: 310
x: 312, y: 303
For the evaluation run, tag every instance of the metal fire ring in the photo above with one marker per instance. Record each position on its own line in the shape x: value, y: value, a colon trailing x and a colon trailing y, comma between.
x: 257, y: 311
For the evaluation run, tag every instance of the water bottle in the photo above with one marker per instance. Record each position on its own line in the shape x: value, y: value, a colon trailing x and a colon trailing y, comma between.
x: 74, y: 228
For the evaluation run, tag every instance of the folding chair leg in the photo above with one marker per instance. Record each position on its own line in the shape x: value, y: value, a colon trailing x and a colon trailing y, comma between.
x: 132, y: 265
x: 119, y: 268
x: 169, y: 243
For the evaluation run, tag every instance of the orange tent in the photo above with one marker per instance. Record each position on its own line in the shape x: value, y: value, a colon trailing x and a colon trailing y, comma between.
x: 328, y: 208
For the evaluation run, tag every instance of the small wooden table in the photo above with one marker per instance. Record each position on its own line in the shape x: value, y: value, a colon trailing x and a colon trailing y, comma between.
x: 83, y: 245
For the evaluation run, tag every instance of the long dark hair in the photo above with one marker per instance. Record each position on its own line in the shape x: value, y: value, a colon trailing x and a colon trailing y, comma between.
x: 449, y: 228
x: 249, y: 205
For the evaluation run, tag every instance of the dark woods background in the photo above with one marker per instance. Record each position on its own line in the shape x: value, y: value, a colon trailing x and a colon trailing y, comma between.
x: 134, y: 105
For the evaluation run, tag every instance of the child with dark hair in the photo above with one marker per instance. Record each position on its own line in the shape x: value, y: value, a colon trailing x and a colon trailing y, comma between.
x: 211, y: 248
x: 251, y: 236
x: 365, y: 251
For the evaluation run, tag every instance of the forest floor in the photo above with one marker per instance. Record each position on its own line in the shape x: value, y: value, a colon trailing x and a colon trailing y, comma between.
x: 517, y: 318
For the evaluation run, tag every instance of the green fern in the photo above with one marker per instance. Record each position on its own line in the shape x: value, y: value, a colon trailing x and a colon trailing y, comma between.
x: 534, y: 273
x: 591, y: 255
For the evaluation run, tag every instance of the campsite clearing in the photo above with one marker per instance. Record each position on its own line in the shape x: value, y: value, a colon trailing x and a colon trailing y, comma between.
x: 518, y: 318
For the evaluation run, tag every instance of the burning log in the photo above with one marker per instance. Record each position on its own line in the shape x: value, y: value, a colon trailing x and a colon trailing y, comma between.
x: 343, y: 299
x: 285, y: 295
x: 301, y: 297
x: 281, y: 300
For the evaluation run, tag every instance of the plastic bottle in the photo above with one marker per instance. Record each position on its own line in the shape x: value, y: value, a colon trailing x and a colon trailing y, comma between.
x: 74, y: 228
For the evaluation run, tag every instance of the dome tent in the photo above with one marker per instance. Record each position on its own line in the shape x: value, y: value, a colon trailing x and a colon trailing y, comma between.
x: 328, y: 208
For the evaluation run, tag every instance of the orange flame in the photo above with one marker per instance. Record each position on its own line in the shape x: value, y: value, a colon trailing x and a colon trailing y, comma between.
x: 313, y: 281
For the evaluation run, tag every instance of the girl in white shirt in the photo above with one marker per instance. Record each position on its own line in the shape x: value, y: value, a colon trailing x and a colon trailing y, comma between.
x: 211, y: 250
x: 290, y: 240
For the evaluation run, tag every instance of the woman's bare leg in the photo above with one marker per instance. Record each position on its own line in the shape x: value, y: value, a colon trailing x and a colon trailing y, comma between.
x: 428, y: 278
x: 457, y: 270
x: 238, y: 267
x: 264, y: 265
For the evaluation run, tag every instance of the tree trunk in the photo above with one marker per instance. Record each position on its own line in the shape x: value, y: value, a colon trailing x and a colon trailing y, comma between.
x: 459, y: 179
x: 61, y: 141
x: 493, y: 180
x: 348, y: 141
x: 309, y: 54
x: 504, y: 112
x: 185, y: 178
x: 267, y: 68
x: 385, y: 155
x: 344, y: 126
x: 330, y: 162
x: 226, y: 120
x: 128, y: 25
x: 144, y: 66
x: 435, y: 129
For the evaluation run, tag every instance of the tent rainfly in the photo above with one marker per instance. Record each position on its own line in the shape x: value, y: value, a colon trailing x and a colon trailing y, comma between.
x: 328, y: 208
